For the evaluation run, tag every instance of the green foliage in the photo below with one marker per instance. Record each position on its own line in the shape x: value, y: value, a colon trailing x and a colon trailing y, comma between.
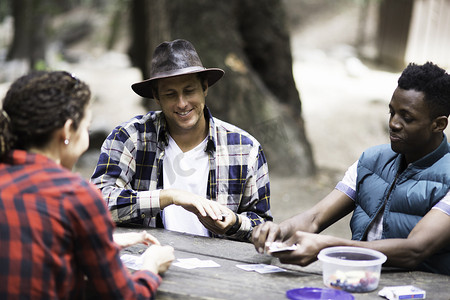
x: 40, y: 65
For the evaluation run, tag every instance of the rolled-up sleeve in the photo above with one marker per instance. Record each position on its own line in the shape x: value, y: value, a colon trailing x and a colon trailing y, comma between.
x: 348, y: 183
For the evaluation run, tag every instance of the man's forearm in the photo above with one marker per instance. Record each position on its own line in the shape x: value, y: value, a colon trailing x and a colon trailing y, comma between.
x: 166, y: 197
x: 400, y: 252
x: 302, y: 222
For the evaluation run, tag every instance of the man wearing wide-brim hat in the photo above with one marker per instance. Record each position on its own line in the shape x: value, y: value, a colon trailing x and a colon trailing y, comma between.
x: 180, y: 168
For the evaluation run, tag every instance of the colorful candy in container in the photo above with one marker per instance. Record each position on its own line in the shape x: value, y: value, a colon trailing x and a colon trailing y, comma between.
x: 352, y: 269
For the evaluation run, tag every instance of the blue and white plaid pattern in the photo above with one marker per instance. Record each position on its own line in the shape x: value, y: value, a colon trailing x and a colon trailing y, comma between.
x: 129, y: 171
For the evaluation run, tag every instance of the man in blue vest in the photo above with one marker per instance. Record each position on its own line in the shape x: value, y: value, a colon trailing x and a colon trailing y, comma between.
x: 399, y: 193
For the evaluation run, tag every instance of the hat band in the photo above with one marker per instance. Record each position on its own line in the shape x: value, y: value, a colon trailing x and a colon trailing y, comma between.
x: 178, y: 72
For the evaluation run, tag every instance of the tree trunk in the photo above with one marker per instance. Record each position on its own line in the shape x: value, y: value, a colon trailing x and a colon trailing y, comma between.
x: 18, y: 49
x: 38, y: 33
x: 249, y: 40
x: 149, y: 26
x: 30, y: 26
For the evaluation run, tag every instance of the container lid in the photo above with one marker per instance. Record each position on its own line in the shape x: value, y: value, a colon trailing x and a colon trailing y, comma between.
x: 311, y: 293
x: 342, y: 255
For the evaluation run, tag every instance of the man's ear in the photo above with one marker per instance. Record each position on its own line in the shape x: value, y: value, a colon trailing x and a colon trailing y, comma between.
x: 157, y: 101
x: 440, y: 123
x: 155, y: 92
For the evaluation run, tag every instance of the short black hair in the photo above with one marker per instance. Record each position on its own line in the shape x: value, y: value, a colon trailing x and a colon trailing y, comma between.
x: 433, y: 82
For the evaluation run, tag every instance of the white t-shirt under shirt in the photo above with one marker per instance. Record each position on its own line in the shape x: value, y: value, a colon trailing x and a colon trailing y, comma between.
x: 348, y: 186
x: 186, y: 171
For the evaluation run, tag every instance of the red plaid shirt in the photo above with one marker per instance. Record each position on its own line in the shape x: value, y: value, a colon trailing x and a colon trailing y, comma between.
x: 54, y: 230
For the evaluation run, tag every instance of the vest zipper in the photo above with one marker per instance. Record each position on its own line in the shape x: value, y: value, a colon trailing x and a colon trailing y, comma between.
x: 381, y: 209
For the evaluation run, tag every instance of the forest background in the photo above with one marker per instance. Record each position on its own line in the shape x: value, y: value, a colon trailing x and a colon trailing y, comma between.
x: 344, y: 90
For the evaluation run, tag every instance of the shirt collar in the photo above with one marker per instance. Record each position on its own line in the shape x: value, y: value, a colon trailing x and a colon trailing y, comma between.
x: 211, y: 144
x: 163, y: 135
x: 434, y: 156
x: 22, y: 157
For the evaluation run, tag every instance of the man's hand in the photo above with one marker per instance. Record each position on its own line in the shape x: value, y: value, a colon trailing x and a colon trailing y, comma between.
x: 221, y: 225
x: 308, y: 244
x: 191, y: 202
x: 214, y: 216
x: 265, y: 234
x: 308, y: 247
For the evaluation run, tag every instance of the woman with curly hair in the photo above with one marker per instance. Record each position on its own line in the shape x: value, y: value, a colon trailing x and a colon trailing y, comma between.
x: 55, y: 229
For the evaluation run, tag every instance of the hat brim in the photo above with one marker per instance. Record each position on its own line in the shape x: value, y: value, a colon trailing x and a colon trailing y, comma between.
x: 144, y: 88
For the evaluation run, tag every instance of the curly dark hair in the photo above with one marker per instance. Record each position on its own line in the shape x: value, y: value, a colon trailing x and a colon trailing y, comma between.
x: 431, y: 80
x: 36, y: 105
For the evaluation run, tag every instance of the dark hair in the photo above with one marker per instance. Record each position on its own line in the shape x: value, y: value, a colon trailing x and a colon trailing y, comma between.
x: 433, y: 81
x: 36, y: 105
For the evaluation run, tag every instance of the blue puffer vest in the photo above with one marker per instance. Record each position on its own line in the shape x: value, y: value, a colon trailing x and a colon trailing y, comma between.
x: 406, y: 196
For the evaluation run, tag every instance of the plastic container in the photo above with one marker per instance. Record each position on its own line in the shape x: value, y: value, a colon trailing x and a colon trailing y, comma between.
x: 352, y: 269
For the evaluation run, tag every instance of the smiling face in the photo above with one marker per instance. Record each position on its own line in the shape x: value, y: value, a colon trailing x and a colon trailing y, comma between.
x: 412, y: 131
x: 182, y: 100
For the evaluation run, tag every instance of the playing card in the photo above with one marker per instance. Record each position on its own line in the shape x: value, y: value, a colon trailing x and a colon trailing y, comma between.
x: 184, y: 265
x: 192, y: 263
x: 261, y: 268
x: 280, y: 247
x: 132, y: 261
x: 208, y: 264
x: 269, y: 269
x: 250, y: 267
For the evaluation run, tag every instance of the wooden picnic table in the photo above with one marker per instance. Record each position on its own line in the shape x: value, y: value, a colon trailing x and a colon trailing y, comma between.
x: 231, y: 282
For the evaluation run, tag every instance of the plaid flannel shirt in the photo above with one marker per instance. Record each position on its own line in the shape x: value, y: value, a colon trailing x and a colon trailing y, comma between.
x: 130, y: 166
x: 55, y: 229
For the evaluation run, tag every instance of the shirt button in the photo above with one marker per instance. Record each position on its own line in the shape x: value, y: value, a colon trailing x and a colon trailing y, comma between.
x: 143, y: 216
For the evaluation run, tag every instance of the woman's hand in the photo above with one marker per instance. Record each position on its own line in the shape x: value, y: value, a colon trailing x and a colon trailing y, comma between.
x: 133, y: 238
x: 157, y: 258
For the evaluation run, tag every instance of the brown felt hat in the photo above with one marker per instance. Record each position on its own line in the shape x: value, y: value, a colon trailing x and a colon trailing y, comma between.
x: 175, y: 58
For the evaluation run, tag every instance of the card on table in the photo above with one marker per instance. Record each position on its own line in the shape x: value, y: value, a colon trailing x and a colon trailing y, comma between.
x: 132, y: 261
x: 192, y: 263
x: 260, y: 268
x: 135, y: 262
